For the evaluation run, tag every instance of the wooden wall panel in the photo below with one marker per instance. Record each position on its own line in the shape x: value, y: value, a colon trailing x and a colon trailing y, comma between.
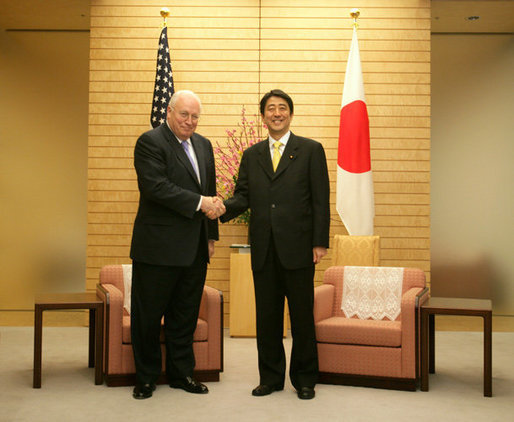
x: 231, y: 52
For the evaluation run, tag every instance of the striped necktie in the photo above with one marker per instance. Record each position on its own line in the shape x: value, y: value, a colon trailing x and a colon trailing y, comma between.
x: 185, y: 145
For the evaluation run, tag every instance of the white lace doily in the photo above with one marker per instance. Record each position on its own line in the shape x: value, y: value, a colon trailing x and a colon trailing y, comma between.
x: 127, y: 284
x: 372, y: 292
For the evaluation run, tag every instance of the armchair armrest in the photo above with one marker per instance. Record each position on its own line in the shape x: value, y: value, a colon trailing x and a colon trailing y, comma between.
x: 408, y: 317
x: 211, y: 310
x: 113, y: 316
x: 323, y: 302
x: 422, y: 297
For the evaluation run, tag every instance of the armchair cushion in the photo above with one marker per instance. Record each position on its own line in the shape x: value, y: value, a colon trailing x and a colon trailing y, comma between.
x: 200, y: 333
x: 340, y: 330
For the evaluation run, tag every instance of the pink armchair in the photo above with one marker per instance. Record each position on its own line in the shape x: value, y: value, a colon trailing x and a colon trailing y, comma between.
x: 119, y: 366
x: 368, y: 352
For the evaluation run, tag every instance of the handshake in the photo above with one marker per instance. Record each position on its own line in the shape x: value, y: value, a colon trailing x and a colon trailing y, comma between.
x: 212, y: 207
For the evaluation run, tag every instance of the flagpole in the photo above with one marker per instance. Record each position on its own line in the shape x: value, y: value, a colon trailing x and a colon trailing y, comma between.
x: 165, y: 12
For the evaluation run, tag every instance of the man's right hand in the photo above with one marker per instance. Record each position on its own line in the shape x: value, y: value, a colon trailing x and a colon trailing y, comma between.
x: 212, y: 207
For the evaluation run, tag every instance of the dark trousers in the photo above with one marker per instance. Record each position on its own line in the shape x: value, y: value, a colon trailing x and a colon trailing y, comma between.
x: 272, y: 284
x: 172, y: 292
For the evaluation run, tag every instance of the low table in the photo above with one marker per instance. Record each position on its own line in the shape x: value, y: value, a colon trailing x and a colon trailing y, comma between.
x: 454, y: 306
x: 55, y: 301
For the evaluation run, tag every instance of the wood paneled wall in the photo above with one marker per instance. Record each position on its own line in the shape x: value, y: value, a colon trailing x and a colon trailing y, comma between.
x: 231, y: 52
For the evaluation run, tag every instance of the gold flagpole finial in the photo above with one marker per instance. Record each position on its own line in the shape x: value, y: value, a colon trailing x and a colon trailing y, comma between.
x: 165, y: 12
x: 354, y: 13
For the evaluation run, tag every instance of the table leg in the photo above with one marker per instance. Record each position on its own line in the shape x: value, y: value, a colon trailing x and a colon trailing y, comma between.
x: 91, y: 355
x: 424, y: 349
x: 38, y: 337
x: 488, y: 381
x: 99, y: 345
x: 431, y: 343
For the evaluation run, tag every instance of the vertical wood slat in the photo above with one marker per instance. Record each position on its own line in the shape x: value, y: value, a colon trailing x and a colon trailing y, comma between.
x: 231, y: 52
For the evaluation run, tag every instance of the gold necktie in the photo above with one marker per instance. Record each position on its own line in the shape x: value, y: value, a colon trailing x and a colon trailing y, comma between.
x: 276, y: 154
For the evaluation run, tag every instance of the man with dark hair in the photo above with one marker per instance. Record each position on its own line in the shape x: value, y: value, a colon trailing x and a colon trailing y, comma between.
x: 276, y: 93
x: 172, y: 242
x: 284, y: 181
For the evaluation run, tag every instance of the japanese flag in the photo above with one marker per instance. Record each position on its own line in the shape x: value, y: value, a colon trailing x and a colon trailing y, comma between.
x: 354, y: 197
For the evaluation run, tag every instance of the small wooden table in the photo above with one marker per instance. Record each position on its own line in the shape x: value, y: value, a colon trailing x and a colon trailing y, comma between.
x: 55, y: 301
x: 454, y: 306
x: 242, y: 296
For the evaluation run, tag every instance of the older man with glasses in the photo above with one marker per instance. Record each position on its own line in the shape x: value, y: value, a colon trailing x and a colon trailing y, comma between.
x: 172, y: 243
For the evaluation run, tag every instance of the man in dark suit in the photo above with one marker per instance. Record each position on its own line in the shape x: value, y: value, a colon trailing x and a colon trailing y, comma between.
x: 172, y: 242
x: 284, y: 181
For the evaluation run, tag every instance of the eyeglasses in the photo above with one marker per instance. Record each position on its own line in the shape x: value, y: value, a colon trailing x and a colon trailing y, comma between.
x: 185, y: 116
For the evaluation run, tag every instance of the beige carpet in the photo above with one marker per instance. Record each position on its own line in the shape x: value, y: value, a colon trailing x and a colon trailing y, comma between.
x: 68, y: 391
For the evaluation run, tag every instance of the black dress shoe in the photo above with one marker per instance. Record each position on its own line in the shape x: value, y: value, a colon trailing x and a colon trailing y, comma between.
x: 306, y: 393
x: 190, y: 385
x: 143, y: 391
x: 264, y: 390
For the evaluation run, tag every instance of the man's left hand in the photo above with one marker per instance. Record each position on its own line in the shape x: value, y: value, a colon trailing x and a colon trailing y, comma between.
x: 318, y: 252
x: 211, y: 248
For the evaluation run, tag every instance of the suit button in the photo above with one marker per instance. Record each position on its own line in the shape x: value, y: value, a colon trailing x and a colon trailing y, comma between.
x: 272, y: 205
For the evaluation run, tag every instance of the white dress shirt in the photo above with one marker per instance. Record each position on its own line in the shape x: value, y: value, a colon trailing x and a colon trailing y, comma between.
x: 193, y: 156
x: 283, y: 143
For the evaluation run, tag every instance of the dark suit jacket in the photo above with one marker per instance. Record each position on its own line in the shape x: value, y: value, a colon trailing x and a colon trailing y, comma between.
x: 168, y: 229
x: 293, y: 203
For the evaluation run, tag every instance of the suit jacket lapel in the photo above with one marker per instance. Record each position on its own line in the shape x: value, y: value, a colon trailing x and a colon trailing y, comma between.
x: 264, y: 158
x: 200, y: 158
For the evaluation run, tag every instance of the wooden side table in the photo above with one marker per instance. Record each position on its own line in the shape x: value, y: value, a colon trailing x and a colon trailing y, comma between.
x: 55, y: 301
x: 454, y: 306
x: 242, y: 297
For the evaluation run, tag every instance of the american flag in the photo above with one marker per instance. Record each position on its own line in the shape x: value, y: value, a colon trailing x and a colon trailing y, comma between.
x: 164, y: 87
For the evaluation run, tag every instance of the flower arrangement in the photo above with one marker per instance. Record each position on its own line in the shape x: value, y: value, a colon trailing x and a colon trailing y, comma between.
x: 228, y: 157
